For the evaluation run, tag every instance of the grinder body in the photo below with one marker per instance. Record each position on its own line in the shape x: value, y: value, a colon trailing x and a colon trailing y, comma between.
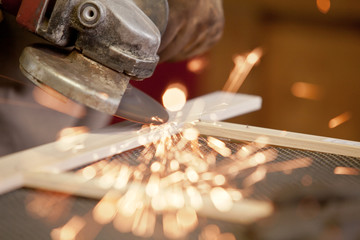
x: 97, y: 47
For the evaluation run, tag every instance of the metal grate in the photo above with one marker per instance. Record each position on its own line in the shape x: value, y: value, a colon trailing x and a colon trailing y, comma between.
x: 286, y: 188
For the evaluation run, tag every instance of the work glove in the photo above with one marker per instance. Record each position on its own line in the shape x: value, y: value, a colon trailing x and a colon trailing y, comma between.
x: 193, y: 27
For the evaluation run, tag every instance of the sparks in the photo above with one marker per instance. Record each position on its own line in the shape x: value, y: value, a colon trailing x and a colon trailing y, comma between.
x: 323, y: 6
x: 243, y: 66
x: 174, y: 98
x: 307, y: 91
x: 337, y: 121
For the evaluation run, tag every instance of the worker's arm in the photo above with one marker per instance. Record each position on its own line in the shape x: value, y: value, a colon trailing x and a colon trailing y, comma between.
x: 193, y: 27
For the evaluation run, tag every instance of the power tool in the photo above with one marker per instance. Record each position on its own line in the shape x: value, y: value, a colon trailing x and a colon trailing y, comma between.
x: 95, y: 48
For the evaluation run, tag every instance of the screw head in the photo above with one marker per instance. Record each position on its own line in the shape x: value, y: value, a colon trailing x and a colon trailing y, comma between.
x: 90, y: 14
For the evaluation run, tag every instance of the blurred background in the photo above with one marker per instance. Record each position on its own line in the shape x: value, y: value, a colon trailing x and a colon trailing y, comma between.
x: 309, y: 75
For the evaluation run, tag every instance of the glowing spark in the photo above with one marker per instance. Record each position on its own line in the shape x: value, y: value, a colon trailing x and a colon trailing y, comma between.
x: 123, y: 177
x: 191, y: 134
x: 323, y: 5
x: 197, y: 65
x: 156, y: 167
x: 210, y: 232
x: 104, y: 212
x: 175, y: 197
x: 307, y: 91
x: 174, y: 98
x: 174, y: 165
x: 255, y: 177
x: 257, y: 159
x: 144, y: 222
x: 152, y: 188
x: 187, y: 219
x: 131, y: 201
x: 221, y: 199
x: 171, y: 227
x: 123, y: 223
x: 106, y: 181
x: 192, y: 175
x: 219, y: 180
x: 243, y: 66
x: 207, y: 176
x: 89, y: 172
x: 253, y: 57
x: 235, y: 194
x: 171, y: 177
x: 196, y: 201
x: 346, y: 171
x: 69, y: 230
x: 219, y: 146
x: 51, y: 99
x: 289, y: 165
x: 342, y: 118
x: 159, y: 203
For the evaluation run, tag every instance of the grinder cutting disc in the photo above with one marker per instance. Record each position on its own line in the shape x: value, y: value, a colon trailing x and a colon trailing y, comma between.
x: 88, y: 82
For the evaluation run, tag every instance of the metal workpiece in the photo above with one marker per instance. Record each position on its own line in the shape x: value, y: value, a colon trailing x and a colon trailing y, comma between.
x: 75, y: 76
x: 121, y: 35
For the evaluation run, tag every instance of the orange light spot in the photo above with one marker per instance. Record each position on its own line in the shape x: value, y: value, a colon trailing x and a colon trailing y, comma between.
x: 210, y: 232
x: 174, y: 165
x: 243, y: 66
x: 104, y: 212
x: 288, y: 166
x: 156, y: 167
x: 342, y: 118
x: 221, y: 199
x: 219, y: 146
x: 171, y: 227
x: 323, y: 5
x: 255, y: 177
x: 89, y: 172
x: 69, y: 230
x: 144, y: 223
x: 192, y: 175
x: 187, y: 218
x: 219, y: 180
x: 153, y: 186
x: 307, y: 91
x: 191, y: 134
x: 197, y: 65
x: 346, y: 171
x: 196, y: 200
x: 174, y: 97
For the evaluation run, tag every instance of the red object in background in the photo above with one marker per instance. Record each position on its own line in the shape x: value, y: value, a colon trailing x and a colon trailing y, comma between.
x: 165, y: 74
x: 27, y: 12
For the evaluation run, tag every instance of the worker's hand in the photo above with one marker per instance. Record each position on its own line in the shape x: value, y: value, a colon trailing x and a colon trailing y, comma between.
x: 193, y: 27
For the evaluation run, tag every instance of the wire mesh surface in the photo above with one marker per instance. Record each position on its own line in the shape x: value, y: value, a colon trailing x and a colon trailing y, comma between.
x: 287, y: 189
